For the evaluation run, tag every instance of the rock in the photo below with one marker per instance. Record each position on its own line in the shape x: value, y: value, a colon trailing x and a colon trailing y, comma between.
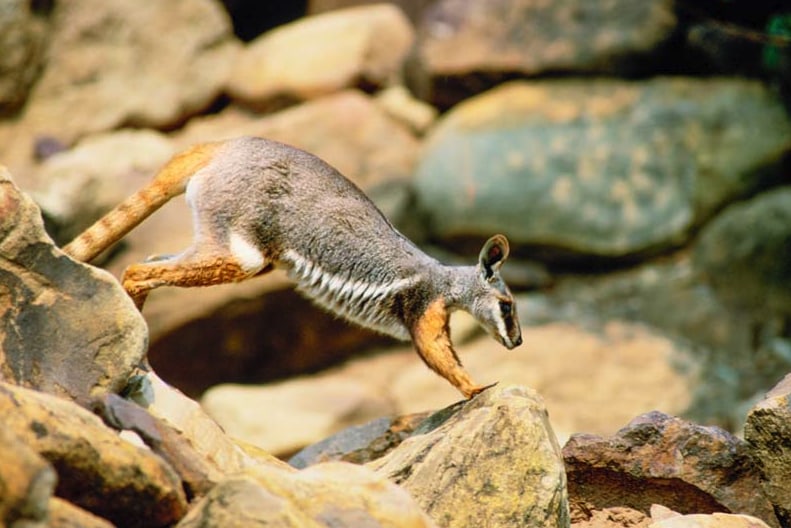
x: 27, y: 482
x: 412, y: 8
x: 461, y: 38
x: 299, y: 412
x: 360, y: 444
x: 604, y: 168
x: 616, y: 517
x: 472, y: 468
x: 715, y: 520
x: 658, y: 459
x: 76, y: 187
x: 744, y: 254
x: 23, y: 39
x: 113, y: 64
x: 331, y: 494
x: 65, y: 328
x: 403, y: 107
x: 768, y: 432
x: 221, y: 455
x: 322, y: 54
x: 97, y: 470
x: 63, y: 514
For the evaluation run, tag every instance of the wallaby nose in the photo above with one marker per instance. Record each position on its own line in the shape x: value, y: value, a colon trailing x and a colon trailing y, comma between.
x: 517, y: 341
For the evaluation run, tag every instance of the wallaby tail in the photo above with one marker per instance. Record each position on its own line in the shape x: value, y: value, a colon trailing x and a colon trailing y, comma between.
x: 168, y: 183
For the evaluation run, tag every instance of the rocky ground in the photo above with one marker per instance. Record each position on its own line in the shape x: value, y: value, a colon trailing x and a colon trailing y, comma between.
x: 635, y: 154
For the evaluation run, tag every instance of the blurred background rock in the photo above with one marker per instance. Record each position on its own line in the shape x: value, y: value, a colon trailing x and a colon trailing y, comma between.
x: 636, y: 154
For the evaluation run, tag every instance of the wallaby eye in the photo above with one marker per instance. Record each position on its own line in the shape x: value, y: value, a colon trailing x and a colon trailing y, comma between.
x: 505, y: 308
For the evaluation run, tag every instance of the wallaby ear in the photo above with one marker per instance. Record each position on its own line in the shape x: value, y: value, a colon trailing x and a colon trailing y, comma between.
x: 493, y: 254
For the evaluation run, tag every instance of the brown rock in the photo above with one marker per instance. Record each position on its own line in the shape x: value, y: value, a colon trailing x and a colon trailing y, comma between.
x: 65, y: 328
x: 458, y: 38
x: 473, y: 463
x: 23, y: 41
x: 63, y: 514
x: 97, y: 470
x: 768, y: 432
x: 27, y: 481
x: 615, y: 517
x: 664, y: 460
x: 322, y: 54
x: 112, y: 63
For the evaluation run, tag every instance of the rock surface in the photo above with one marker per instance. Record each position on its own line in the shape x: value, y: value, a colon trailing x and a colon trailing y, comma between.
x: 111, y: 64
x: 23, y: 40
x: 744, y: 254
x: 65, y: 328
x: 474, y: 464
x: 331, y: 494
x: 322, y: 54
x: 768, y: 432
x: 96, y: 469
x: 658, y: 459
x: 530, y: 36
x: 27, y: 481
x: 604, y: 168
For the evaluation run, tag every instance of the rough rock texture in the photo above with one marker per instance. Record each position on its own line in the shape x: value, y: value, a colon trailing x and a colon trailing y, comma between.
x: 745, y: 253
x: 27, y: 481
x: 768, y: 432
x: 112, y: 63
x: 600, y: 167
x: 658, y: 459
x: 615, y: 517
x: 23, y: 42
x: 65, y: 328
x: 322, y: 54
x: 96, y: 469
x: 329, y: 495
x: 492, y: 461
x: 531, y: 36
x: 361, y: 444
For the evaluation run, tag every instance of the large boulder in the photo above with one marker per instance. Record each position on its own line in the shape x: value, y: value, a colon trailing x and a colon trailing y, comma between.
x: 112, y: 63
x: 658, y: 459
x: 97, y: 469
x: 768, y: 432
x: 598, y: 167
x: 65, y: 328
x: 322, y: 54
x: 492, y: 461
x: 745, y: 254
x: 461, y: 38
x: 23, y: 41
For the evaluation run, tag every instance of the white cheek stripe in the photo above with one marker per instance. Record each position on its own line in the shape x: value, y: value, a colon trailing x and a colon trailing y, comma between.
x: 500, y: 321
x: 250, y: 259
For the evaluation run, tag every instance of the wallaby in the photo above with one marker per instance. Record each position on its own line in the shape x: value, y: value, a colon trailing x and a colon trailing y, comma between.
x: 258, y: 204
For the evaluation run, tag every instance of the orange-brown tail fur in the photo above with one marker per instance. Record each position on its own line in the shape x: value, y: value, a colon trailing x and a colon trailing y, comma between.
x: 168, y: 183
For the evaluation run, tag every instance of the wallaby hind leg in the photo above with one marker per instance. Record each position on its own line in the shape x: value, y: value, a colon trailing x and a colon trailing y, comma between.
x: 187, y: 270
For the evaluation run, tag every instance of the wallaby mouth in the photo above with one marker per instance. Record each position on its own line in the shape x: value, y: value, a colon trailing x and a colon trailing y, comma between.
x: 510, y: 344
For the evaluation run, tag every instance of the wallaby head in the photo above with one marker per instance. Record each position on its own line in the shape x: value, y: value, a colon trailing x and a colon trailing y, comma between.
x: 486, y: 296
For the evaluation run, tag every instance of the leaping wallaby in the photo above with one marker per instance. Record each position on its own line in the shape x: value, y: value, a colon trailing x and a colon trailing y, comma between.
x: 258, y: 204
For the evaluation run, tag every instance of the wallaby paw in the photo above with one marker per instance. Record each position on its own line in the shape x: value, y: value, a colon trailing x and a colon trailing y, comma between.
x: 474, y: 391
